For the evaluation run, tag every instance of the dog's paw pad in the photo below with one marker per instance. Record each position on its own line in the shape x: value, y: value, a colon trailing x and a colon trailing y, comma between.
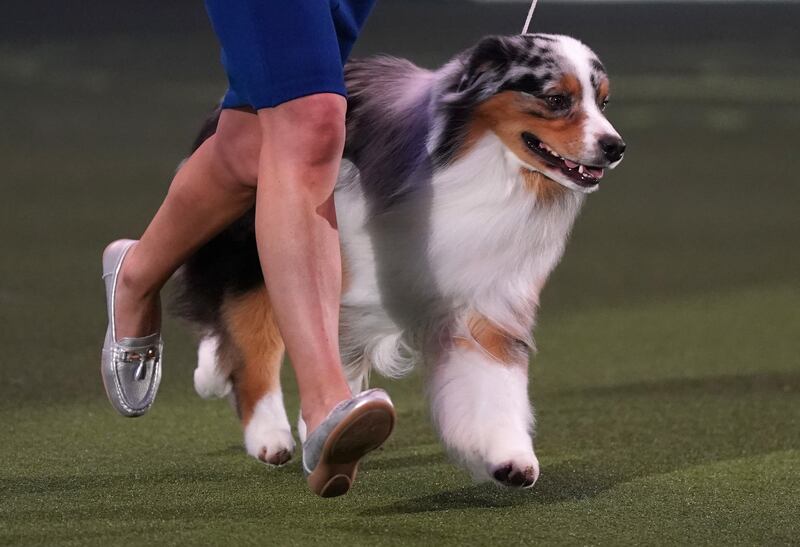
x: 281, y: 457
x: 270, y: 446
x: 515, y: 475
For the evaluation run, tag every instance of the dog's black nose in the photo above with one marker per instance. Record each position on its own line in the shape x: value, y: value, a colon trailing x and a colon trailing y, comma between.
x: 613, y: 148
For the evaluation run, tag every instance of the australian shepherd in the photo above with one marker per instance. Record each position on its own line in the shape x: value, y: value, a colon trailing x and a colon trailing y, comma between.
x: 456, y: 195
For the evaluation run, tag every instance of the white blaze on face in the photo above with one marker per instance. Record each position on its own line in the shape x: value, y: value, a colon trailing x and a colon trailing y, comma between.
x: 597, y: 125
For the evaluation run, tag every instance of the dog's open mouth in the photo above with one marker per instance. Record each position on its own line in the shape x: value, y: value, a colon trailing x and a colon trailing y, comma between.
x: 580, y: 174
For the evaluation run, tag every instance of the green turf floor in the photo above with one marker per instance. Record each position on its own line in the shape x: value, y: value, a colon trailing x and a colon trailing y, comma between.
x: 667, y: 385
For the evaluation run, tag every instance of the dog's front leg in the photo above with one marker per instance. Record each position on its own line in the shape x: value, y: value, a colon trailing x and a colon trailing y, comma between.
x: 480, y: 405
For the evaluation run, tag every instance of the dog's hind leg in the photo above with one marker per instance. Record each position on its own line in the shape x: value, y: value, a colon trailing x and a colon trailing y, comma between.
x: 479, y: 402
x: 250, y: 323
x: 212, y: 377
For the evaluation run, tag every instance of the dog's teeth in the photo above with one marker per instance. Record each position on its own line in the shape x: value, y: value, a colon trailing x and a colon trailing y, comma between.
x: 582, y: 170
x: 549, y: 150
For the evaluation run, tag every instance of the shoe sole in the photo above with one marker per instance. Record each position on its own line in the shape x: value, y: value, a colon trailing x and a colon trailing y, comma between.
x: 364, y: 430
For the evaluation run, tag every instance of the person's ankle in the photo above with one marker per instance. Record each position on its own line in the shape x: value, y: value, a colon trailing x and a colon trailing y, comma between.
x: 314, y: 412
x: 133, y: 286
x: 138, y: 307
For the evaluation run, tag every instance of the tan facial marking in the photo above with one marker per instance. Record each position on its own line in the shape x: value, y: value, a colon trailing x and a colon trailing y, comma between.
x: 603, y: 89
x: 546, y: 190
x: 569, y: 85
x: 509, y: 114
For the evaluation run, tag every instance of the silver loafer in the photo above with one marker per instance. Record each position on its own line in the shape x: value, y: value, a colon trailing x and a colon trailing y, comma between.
x: 352, y: 429
x: 131, y: 367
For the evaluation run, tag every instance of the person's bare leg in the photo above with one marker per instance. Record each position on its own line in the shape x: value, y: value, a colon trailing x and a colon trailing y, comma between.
x: 214, y: 187
x: 298, y: 241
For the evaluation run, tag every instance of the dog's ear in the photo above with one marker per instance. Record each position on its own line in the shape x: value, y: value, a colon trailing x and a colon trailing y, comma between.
x: 487, y: 58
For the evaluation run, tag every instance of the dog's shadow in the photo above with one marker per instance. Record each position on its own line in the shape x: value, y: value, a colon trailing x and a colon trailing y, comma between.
x: 586, y: 478
x: 564, y: 481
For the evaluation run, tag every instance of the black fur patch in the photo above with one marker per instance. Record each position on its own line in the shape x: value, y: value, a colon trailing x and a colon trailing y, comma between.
x: 228, y: 264
x: 495, y: 64
x: 598, y: 73
x: 457, y: 115
x: 597, y: 66
x: 527, y: 84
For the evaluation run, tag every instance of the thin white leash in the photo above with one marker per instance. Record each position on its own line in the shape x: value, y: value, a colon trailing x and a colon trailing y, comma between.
x: 530, y: 16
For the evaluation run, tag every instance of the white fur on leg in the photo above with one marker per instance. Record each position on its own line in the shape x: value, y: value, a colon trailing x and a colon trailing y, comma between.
x: 209, y: 381
x: 267, y: 435
x: 483, y: 414
x: 302, y: 430
x: 357, y: 383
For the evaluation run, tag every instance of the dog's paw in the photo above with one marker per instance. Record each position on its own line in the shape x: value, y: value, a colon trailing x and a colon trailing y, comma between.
x: 281, y: 457
x: 516, y: 473
x: 267, y: 436
x: 273, y: 446
x: 210, y: 385
x: 209, y: 381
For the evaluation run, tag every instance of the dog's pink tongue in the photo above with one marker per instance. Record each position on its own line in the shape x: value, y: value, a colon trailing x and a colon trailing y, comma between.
x: 595, y: 172
x: 570, y: 164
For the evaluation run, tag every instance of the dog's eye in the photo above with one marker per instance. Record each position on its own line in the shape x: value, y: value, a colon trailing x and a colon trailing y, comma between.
x: 604, y: 104
x: 557, y: 102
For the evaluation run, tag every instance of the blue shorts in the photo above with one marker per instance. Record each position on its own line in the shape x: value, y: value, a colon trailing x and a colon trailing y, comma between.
x: 278, y: 50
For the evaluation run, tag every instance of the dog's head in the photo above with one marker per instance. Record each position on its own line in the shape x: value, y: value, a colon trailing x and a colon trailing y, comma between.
x: 543, y: 96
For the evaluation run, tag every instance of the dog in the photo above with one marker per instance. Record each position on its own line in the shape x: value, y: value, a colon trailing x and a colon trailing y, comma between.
x: 456, y: 195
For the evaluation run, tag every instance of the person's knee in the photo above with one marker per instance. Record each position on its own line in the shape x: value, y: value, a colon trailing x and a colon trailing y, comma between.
x: 237, y: 151
x: 315, y: 129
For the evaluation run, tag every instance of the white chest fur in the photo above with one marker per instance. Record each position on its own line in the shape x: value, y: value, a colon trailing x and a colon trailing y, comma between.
x: 472, y: 240
x: 489, y: 234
